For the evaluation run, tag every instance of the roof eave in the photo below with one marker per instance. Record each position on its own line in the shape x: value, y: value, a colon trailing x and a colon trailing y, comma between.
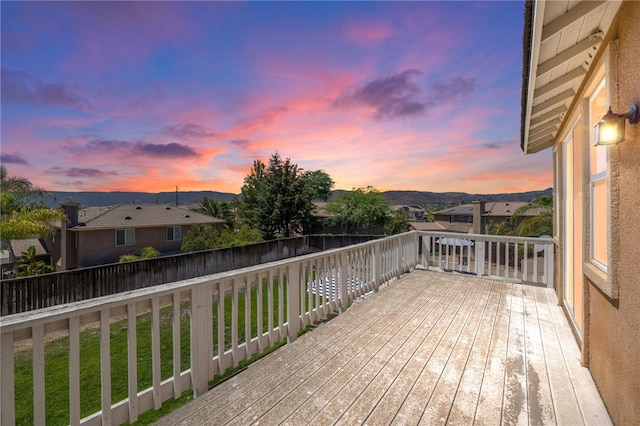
x: 533, y: 20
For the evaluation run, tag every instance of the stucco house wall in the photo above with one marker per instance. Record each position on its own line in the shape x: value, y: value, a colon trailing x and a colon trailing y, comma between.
x: 613, y: 346
x: 98, y: 246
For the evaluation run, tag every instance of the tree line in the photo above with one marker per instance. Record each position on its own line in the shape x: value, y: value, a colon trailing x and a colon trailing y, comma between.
x: 279, y: 200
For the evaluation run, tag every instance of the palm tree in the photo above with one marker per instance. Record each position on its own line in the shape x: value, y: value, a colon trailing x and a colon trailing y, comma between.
x: 534, y: 226
x: 215, y: 208
x: 22, y: 214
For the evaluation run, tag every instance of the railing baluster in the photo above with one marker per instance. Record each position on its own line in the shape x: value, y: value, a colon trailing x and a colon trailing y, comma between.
x: 74, y: 370
x: 281, y: 290
x: 105, y: 365
x: 260, y: 311
x: 535, y: 264
x: 270, y: 311
x: 155, y: 353
x: 177, y: 356
x: 247, y: 316
x: 38, y: 374
x: 222, y: 338
x: 234, y: 322
x: 132, y: 359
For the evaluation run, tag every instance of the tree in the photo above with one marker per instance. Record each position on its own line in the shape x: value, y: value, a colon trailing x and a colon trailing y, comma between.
x: 28, y: 264
x: 207, y: 237
x: 239, y: 236
x: 534, y: 226
x: 277, y: 199
x: 523, y: 225
x: 199, y: 237
x: 216, y: 208
x: 23, y: 214
x: 145, y: 253
x: 397, y: 222
x: 364, y: 207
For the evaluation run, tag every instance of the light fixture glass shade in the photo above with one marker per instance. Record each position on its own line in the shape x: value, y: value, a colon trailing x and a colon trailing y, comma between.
x: 609, y: 130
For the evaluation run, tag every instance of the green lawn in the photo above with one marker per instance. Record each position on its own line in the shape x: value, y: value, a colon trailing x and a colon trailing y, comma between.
x: 57, y: 361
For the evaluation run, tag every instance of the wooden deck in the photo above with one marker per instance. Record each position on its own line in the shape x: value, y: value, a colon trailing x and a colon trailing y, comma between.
x: 432, y: 348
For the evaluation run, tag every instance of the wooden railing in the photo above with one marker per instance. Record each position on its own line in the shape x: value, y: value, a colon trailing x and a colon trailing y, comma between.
x: 520, y: 259
x: 201, y: 326
x: 43, y: 291
x: 229, y: 317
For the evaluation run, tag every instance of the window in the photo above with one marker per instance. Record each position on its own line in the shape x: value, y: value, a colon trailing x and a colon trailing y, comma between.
x: 452, y: 220
x: 125, y: 237
x: 598, y: 182
x: 174, y: 233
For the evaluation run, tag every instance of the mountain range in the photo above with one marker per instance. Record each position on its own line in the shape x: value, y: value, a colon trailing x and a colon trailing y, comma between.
x: 189, y: 198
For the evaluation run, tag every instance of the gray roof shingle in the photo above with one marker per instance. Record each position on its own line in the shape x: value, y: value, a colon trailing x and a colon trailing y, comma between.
x: 140, y: 216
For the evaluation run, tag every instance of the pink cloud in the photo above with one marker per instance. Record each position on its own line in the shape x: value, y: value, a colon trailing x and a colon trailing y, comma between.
x: 368, y: 33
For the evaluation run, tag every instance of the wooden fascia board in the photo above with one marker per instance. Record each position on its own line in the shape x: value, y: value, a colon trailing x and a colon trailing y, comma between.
x: 536, y: 34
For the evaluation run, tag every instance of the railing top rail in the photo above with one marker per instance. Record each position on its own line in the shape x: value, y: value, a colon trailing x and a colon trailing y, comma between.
x: 487, y: 237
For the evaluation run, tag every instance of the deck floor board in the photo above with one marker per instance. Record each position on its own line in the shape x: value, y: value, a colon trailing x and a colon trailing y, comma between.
x: 431, y: 348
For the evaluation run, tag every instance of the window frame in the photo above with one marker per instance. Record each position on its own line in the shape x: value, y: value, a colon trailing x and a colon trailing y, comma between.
x: 173, y: 233
x: 596, y: 177
x: 126, y: 232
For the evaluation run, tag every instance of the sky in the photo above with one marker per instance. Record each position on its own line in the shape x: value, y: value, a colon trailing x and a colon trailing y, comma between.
x: 147, y: 96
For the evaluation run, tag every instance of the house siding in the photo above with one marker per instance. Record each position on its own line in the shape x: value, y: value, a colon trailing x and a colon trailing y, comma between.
x: 99, y: 246
x: 613, y: 351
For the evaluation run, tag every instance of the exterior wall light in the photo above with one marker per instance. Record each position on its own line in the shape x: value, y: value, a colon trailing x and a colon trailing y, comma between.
x: 610, y: 129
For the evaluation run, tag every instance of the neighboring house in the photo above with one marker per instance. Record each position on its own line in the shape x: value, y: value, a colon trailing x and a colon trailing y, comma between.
x: 329, y: 228
x: 22, y: 246
x: 426, y: 226
x: 17, y: 248
x: 99, y: 235
x: 477, y: 217
x: 580, y: 58
x: 413, y: 212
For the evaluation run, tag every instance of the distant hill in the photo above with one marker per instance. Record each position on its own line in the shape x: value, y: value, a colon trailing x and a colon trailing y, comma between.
x: 419, y: 198
x: 97, y: 199
x: 425, y: 198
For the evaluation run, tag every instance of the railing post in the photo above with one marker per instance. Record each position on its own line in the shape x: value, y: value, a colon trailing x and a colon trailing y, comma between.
x: 549, y: 263
x: 201, y: 338
x: 480, y: 257
x: 377, y: 267
x: 425, y: 250
x: 293, y: 301
x: 342, y: 281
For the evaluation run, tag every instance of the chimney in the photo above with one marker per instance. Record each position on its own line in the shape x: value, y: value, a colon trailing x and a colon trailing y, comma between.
x: 478, y: 212
x: 71, y: 210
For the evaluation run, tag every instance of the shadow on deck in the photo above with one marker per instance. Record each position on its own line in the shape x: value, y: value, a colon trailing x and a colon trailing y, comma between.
x: 432, y: 348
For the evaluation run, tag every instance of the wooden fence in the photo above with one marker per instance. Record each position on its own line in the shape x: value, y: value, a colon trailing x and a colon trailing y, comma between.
x: 42, y: 291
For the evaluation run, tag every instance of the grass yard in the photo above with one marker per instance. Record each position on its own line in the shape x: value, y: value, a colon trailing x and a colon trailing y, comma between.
x: 57, y: 360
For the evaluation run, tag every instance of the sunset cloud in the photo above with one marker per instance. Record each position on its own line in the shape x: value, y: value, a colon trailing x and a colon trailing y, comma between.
x: 186, y: 131
x: 390, y: 97
x: 80, y: 172
x: 6, y: 158
x: 16, y: 90
x: 105, y: 146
